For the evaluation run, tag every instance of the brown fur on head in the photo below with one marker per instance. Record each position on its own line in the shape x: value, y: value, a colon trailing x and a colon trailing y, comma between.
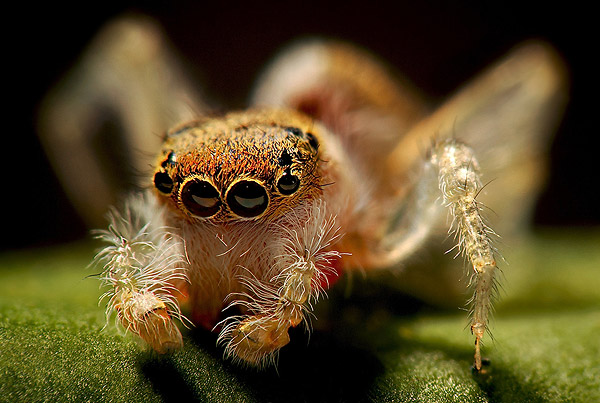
x: 274, y: 154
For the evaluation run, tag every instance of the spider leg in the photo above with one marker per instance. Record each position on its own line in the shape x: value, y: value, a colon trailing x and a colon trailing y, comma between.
x: 109, y: 112
x: 460, y: 183
x: 452, y: 172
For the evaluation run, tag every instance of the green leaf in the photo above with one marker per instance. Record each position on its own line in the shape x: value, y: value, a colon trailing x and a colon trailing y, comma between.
x: 374, y: 345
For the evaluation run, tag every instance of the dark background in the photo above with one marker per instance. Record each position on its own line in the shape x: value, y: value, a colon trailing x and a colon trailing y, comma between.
x: 437, y: 45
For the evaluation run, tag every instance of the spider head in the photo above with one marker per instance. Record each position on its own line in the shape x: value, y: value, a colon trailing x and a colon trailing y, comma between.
x: 243, y: 166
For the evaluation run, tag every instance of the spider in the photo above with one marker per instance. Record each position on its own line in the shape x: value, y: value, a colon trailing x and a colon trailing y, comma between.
x: 336, y: 166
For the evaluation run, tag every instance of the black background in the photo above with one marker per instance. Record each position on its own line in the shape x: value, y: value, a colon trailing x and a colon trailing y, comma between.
x: 437, y: 45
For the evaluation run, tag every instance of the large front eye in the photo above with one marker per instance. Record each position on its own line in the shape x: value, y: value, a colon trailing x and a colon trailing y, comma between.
x: 200, y: 198
x: 247, y: 198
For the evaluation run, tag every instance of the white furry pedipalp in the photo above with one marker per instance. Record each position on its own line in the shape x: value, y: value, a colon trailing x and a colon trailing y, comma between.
x: 301, y: 262
x: 144, y: 268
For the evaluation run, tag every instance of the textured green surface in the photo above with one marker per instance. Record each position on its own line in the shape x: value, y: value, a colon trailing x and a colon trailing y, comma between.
x: 546, y: 341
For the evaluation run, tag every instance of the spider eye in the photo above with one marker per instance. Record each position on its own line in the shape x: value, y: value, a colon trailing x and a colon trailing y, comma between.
x: 312, y: 140
x: 200, y: 198
x: 288, y: 183
x: 163, y: 182
x: 247, y: 198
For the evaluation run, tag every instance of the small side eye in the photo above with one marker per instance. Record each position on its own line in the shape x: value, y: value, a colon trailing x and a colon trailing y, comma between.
x: 171, y: 160
x: 200, y: 198
x: 163, y: 182
x: 288, y: 183
x: 247, y: 198
x: 312, y: 140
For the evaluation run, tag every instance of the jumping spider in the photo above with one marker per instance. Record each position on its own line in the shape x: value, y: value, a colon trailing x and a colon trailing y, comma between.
x: 336, y: 166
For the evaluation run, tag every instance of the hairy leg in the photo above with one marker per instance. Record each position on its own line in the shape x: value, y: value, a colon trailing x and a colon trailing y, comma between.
x: 460, y: 183
x: 452, y: 172
x: 125, y: 91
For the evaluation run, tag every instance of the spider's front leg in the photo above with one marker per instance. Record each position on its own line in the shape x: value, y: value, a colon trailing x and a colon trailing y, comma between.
x: 303, y: 263
x: 452, y: 169
x: 460, y: 183
x: 144, y: 270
